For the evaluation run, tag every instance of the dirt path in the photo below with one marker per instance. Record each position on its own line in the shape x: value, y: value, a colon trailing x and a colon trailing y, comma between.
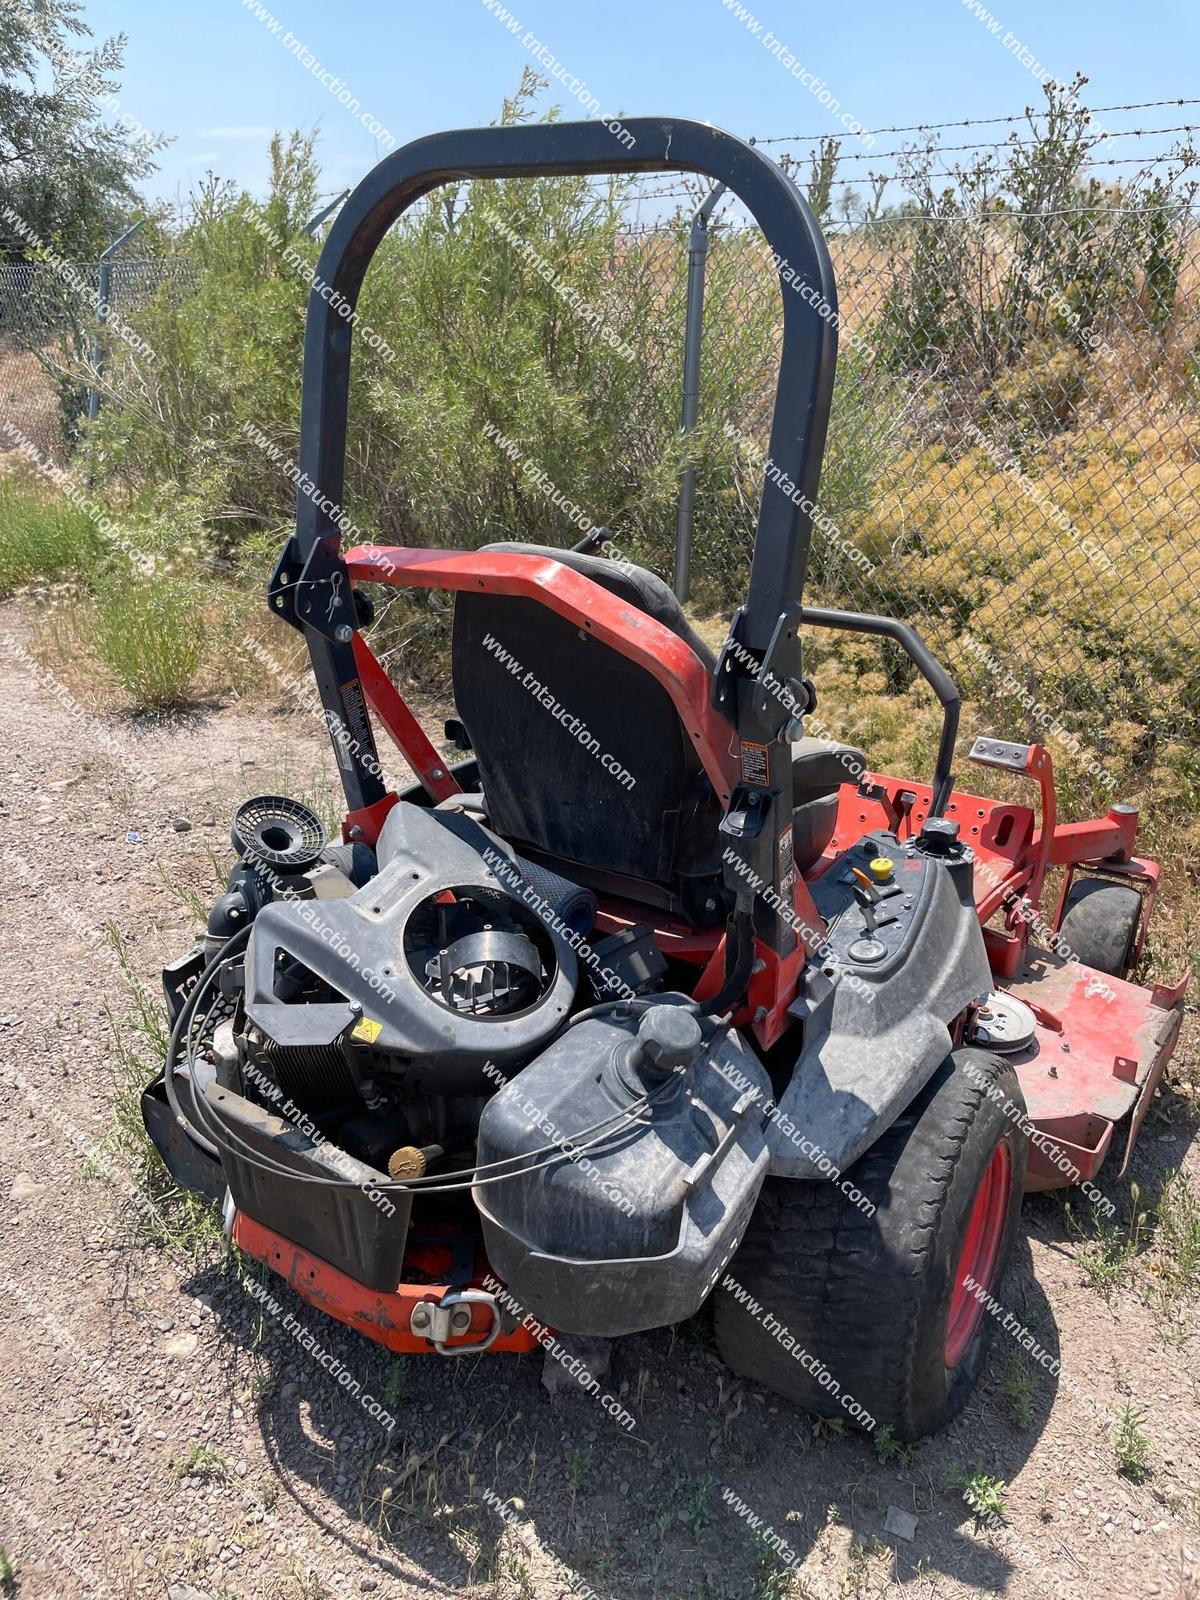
x: 162, y: 1434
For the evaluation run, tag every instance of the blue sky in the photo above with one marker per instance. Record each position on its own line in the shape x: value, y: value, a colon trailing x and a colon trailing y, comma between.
x: 211, y: 75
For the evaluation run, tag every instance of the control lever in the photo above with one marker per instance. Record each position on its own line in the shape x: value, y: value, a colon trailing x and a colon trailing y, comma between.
x: 868, y: 899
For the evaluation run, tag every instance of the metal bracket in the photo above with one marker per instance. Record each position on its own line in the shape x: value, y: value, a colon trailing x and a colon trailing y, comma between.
x: 1000, y: 753
x: 779, y: 696
x: 317, y: 594
x: 450, y: 1317
x: 747, y: 814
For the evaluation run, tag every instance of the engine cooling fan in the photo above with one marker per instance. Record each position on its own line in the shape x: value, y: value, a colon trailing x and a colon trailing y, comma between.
x: 479, y: 953
x: 281, y: 832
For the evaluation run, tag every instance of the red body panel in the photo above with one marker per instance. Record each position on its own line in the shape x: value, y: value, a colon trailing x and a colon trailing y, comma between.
x: 668, y: 659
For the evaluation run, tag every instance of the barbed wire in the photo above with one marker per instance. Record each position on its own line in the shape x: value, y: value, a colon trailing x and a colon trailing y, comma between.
x: 684, y: 192
x: 970, y: 122
x: 1005, y: 144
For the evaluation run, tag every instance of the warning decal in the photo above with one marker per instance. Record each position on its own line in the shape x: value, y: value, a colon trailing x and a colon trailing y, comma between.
x: 355, y: 710
x: 756, y: 767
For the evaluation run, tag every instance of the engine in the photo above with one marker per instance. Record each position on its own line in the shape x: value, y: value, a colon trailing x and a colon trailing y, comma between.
x: 360, y: 1017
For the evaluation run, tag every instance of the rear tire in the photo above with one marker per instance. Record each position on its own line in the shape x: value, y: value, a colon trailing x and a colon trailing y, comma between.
x: 874, y: 1304
x: 1100, y: 924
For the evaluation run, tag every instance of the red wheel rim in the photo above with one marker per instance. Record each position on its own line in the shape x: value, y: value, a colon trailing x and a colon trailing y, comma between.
x: 981, y: 1246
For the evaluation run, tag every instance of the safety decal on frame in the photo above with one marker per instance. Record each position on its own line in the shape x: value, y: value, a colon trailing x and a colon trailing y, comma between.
x: 756, y: 766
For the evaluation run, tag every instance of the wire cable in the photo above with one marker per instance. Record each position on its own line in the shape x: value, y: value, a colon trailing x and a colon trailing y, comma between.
x: 606, y: 1128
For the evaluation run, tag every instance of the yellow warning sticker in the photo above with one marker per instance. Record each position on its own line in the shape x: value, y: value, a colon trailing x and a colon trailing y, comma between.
x: 365, y: 1031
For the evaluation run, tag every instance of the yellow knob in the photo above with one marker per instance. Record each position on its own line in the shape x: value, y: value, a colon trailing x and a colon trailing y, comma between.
x: 880, y: 869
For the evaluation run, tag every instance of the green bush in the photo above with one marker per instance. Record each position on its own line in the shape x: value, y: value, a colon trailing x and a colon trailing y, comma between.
x: 519, y: 308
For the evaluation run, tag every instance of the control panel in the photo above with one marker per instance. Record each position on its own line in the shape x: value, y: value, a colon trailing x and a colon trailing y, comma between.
x: 873, y: 894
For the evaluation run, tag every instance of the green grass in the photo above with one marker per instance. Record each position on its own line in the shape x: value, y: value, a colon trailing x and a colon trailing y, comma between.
x: 173, y: 1217
x: 202, y: 1461
x: 1016, y: 1385
x: 1131, y: 1447
x: 1156, y: 1251
x: 771, y: 1581
x: 149, y: 633
x: 1177, y: 1236
x: 43, y: 536
x: 1107, y: 1254
x: 579, y: 1472
x: 395, y: 1387
x: 890, y: 1450
x: 698, y: 1503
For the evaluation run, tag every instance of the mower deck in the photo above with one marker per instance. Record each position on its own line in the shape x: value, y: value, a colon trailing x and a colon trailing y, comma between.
x: 1093, y: 1060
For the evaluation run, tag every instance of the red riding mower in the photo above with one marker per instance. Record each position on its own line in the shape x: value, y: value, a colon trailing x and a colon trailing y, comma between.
x: 649, y: 992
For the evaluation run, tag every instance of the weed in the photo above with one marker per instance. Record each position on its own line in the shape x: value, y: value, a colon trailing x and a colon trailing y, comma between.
x: 1177, y: 1236
x: 7, y: 1570
x: 1131, y: 1447
x: 579, y: 1471
x: 1016, y: 1385
x: 1107, y: 1256
x: 889, y: 1449
x: 149, y: 633
x: 194, y: 901
x: 138, y: 1045
x: 698, y: 1505
x: 42, y: 536
x: 395, y: 1385
x: 697, y: 1335
x: 202, y: 1461
x: 984, y: 1495
x: 267, y: 1490
x: 771, y: 1581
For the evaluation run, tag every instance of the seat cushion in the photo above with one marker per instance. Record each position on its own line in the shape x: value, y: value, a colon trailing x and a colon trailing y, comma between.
x: 581, y: 752
x: 820, y: 766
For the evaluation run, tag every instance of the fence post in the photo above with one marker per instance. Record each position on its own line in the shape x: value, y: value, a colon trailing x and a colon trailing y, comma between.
x: 313, y: 223
x: 693, y: 327
x: 103, y: 290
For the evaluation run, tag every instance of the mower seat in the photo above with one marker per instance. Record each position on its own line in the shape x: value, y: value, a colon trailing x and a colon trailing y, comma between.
x: 522, y: 673
x: 634, y: 585
x: 582, y: 757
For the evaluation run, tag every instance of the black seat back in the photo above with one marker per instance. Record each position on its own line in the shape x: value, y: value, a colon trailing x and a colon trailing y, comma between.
x: 582, y: 757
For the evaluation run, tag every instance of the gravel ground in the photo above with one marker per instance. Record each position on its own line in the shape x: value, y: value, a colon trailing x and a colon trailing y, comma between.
x: 162, y: 1435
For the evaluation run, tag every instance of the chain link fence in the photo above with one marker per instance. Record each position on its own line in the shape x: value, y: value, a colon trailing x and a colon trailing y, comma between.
x: 53, y: 323
x: 1014, y: 456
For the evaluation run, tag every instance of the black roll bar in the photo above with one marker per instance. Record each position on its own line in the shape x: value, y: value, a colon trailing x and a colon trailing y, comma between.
x: 310, y: 588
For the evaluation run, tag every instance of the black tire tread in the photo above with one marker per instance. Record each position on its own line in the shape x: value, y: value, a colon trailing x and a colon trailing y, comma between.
x: 821, y: 1265
x: 1099, y: 924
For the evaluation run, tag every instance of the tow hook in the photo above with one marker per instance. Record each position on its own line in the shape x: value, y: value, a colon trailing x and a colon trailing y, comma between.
x: 440, y: 1320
